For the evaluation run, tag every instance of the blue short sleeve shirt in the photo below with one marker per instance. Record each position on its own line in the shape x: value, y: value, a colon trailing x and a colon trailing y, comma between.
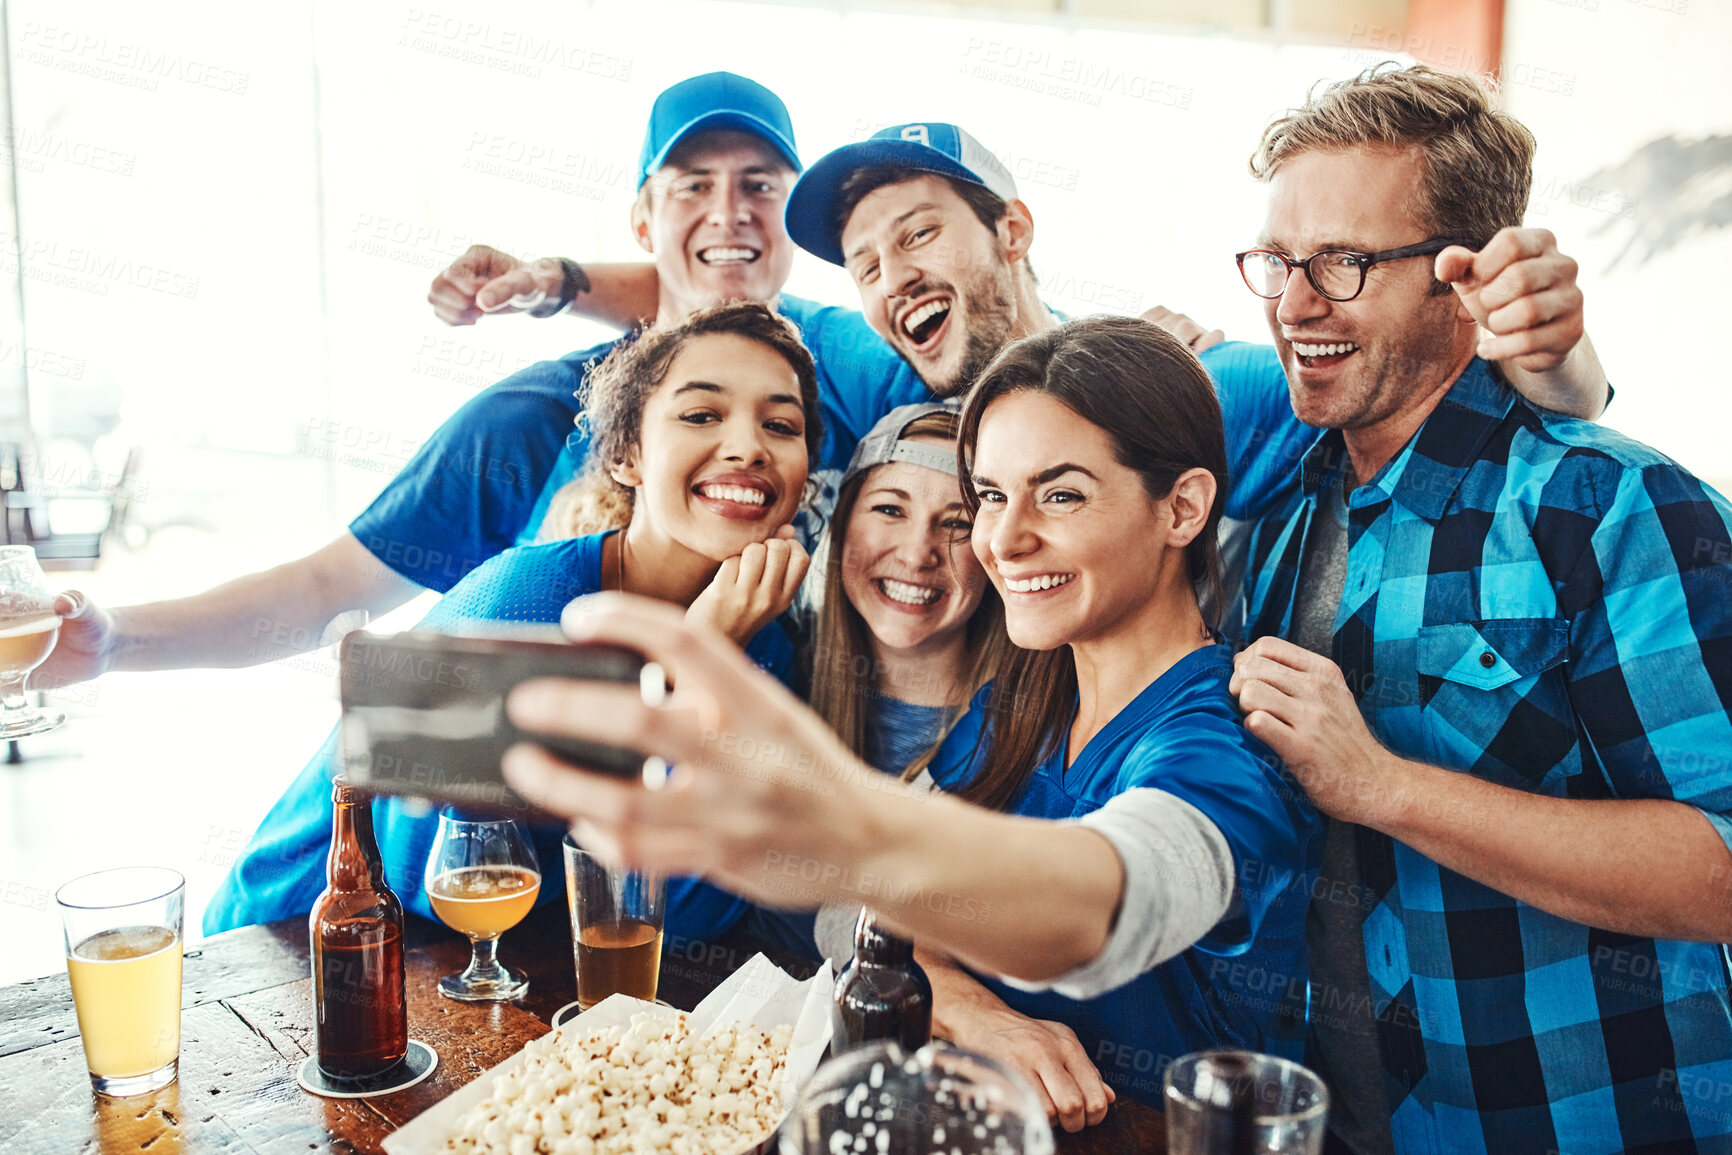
x: 468, y: 491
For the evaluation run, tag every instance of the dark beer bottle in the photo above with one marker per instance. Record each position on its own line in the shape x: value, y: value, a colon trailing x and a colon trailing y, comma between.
x: 357, y: 934
x: 881, y: 993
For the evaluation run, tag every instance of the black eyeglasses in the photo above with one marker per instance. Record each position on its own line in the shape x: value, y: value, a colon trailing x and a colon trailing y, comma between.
x: 1336, y: 274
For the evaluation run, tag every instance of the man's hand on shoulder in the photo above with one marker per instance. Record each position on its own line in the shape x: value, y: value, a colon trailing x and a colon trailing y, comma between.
x: 1185, y: 329
x: 484, y: 280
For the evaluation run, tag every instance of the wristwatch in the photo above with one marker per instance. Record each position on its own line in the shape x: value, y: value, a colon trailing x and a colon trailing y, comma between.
x: 571, y: 284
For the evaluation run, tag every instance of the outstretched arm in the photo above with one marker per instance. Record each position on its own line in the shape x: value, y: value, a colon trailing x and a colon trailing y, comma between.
x: 257, y: 618
x: 767, y: 796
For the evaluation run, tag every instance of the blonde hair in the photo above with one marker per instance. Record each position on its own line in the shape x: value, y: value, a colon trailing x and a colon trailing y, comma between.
x: 1477, y: 159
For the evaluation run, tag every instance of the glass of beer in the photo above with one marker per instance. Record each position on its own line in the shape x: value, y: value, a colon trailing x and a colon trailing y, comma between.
x: 28, y: 629
x: 616, y: 927
x: 482, y: 878
x: 123, y: 956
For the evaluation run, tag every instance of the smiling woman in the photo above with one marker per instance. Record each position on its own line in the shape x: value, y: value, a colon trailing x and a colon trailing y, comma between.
x: 907, y: 629
x: 702, y: 432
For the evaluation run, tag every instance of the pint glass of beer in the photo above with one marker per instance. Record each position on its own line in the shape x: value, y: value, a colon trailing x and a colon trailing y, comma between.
x: 616, y: 927
x: 123, y: 951
x: 28, y: 629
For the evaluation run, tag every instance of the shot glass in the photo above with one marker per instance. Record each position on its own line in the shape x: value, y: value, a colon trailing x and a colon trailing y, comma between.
x: 123, y: 955
x: 1214, y: 1096
x: 616, y: 927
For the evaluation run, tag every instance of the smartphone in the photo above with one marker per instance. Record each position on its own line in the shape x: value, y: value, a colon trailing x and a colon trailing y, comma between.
x: 424, y: 713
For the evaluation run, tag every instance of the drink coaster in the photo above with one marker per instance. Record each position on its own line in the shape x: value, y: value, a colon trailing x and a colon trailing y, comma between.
x: 570, y: 1011
x: 416, y: 1065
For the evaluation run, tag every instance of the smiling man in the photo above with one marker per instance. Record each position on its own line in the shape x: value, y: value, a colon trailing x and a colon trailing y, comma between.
x: 1506, y: 676
x: 717, y: 163
x: 929, y: 224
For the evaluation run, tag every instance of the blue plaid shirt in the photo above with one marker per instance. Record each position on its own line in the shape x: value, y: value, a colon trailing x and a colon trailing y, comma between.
x: 1545, y: 604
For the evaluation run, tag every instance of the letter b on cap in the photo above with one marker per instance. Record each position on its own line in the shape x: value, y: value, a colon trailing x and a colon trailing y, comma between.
x: 916, y: 132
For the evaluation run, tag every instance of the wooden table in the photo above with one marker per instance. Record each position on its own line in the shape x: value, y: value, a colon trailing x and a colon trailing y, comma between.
x: 246, y: 1025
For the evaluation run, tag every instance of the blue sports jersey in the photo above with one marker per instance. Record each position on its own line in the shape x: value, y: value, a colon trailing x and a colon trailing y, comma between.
x: 282, y: 870
x: 467, y: 492
x: 1242, y: 985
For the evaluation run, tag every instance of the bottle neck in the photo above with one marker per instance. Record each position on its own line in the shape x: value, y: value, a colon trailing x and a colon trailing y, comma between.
x: 354, y: 863
x: 875, y: 946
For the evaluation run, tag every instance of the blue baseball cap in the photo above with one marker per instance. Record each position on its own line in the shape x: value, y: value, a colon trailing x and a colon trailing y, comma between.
x: 715, y: 100
x: 931, y: 147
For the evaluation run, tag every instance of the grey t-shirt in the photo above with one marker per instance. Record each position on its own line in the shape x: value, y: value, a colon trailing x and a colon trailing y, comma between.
x: 1342, y: 1023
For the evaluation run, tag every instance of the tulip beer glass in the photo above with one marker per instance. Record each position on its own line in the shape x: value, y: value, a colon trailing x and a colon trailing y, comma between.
x: 28, y: 628
x: 482, y: 878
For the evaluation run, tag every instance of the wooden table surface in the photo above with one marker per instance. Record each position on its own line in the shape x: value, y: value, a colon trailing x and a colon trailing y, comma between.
x: 246, y: 1025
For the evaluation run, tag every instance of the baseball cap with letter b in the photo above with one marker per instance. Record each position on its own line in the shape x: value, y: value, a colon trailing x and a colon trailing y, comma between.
x: 934, y: 147
x: 707, y: 103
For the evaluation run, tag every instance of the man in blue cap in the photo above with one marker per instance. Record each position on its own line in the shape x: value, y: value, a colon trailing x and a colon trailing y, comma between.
x: 717, y: 163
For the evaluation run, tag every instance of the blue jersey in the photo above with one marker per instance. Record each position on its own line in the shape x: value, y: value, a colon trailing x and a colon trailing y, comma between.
x: 282, y: 870
x: 1243, y: 984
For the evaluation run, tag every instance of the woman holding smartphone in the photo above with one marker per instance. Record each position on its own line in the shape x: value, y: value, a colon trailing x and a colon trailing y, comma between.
x: 1155, y: 853
x: 908, y: 636
x: 701, y: 435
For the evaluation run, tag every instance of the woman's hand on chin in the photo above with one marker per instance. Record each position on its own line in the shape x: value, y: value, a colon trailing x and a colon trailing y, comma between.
x: 750, y: 590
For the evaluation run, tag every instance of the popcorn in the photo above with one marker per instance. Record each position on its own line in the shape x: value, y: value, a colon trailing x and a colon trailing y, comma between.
x: 651, y: 1087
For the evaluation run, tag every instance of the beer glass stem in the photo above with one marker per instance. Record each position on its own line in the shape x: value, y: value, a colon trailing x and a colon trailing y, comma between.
x: 14, y: 706
x: 483, y: 964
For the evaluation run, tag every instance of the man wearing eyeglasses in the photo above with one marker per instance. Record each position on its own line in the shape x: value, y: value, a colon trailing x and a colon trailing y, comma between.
x: 1495, y: 646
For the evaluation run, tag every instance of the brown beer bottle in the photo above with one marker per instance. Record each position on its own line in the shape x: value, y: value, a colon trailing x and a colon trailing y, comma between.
x: 881, y: 993
x: 357, y: 934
